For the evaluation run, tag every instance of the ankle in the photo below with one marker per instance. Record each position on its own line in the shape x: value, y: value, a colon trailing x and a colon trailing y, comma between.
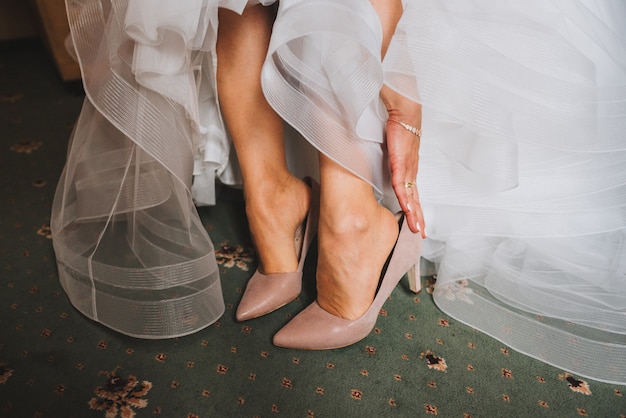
x: 339, y: 223
x: 273, y: 191
x: 350, y: 219
x: 264, y: 185
x: 352, y: 252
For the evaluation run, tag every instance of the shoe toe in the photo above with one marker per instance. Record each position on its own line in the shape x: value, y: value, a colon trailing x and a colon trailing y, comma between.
x: 316, y: 329
x: 266, y: 293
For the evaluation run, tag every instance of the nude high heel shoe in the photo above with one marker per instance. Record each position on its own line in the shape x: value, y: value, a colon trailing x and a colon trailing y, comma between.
x: 316, y: 329
x: 267, y: 292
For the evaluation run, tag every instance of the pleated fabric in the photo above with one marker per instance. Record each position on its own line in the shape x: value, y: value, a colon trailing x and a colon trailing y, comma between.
x: 130, y: 247
x: 522, y: 175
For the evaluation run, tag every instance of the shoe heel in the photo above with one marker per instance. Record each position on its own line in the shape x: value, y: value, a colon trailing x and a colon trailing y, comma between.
x: 415, y: 283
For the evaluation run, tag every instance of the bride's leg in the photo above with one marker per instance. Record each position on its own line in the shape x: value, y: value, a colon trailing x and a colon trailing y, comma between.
x: 356, y: 234
x: 389, y: 13
x: 276, y: 202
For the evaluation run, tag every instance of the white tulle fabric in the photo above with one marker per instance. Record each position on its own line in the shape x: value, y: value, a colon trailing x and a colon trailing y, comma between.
x: 522, y: 164
x: 522, y: 171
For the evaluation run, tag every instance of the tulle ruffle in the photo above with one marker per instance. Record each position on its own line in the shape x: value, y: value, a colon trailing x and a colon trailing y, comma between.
x: 131, y: 250
x: 323, y: 77
x: 522, y: 172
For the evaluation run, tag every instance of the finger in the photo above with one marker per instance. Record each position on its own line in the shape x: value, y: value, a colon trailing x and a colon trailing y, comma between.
x: 415, y: 217
x: 403, y: 197
x: 409, y: 202
x: 419, y: 215
x: 420, y: 224
x: 413, y: 211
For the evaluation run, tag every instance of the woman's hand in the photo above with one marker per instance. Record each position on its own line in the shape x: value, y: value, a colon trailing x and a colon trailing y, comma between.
x: 403, y: 151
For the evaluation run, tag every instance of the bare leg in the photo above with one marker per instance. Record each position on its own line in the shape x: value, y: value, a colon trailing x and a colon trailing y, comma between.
x: 276, y: 202
x: 355, y: 237
x: 356, y: 234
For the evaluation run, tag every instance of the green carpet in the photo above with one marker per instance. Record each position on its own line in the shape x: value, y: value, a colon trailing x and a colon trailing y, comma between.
x: 56, y: 363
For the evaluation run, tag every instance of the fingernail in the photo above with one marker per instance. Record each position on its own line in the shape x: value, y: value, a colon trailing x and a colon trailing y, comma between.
x: 417, y: 225
x: 408, y: 207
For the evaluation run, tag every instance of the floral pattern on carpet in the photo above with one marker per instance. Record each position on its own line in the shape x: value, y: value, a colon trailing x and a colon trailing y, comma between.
x: 120, y: 395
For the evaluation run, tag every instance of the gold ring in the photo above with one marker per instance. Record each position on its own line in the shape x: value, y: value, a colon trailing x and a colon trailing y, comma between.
x: 408, y: 184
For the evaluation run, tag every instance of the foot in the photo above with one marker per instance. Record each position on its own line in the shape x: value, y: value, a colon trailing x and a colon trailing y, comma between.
x: 275, y: 210
x: 353, y: 247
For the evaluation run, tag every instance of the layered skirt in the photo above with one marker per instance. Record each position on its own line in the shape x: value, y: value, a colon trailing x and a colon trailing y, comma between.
x: 522, y: 171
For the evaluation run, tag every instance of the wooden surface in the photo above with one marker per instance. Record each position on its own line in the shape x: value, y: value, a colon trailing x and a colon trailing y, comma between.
x: 55, y: 30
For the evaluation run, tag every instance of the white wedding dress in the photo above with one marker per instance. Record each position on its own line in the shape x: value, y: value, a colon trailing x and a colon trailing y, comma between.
x: 522, y: 162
